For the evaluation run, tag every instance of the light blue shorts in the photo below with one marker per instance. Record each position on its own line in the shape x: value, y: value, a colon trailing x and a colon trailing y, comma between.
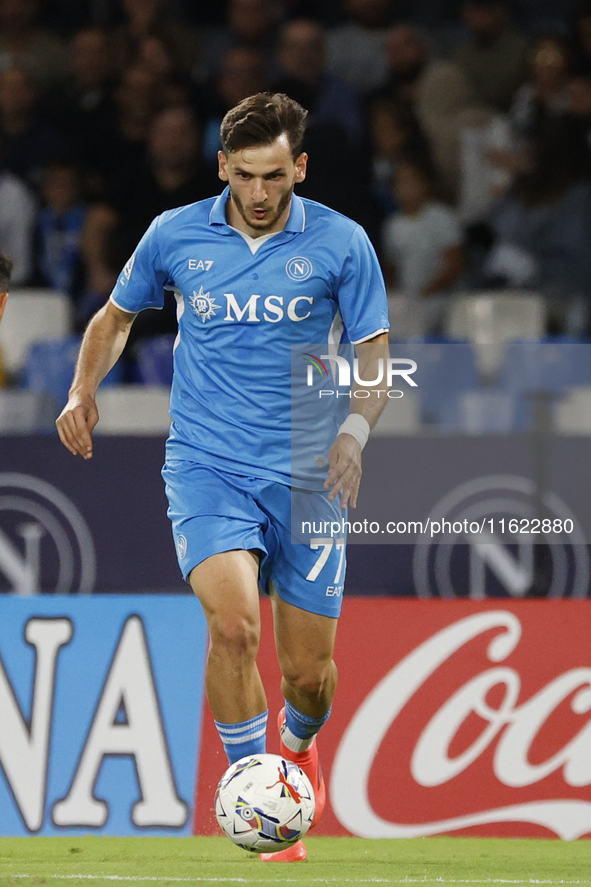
x: 212, y: 512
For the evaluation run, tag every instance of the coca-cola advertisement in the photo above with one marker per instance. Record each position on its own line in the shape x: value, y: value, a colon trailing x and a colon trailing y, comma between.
x: 453, y: 717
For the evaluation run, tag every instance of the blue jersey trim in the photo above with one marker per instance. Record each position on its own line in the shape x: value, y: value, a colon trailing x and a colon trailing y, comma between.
x: 385, y: 329
x: 121, y: 308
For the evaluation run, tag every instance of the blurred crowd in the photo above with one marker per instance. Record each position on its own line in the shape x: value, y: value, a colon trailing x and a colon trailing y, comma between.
x: 457, y: 132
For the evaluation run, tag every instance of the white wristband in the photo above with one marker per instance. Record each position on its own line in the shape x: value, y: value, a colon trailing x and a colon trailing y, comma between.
x: 357, y: 426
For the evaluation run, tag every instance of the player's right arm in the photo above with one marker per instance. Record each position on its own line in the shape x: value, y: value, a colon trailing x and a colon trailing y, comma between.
x: 102, y: 345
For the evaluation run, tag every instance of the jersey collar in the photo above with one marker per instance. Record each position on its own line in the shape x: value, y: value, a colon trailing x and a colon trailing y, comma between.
x: 296, y: 223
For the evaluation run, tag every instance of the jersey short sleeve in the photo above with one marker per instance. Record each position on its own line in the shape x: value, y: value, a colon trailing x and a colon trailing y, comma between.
x: 361, y: 291
x: 141, y: 283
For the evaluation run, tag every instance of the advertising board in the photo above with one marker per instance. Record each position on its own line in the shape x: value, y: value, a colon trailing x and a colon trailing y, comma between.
x: 451, y: 717
x: 100, y: 708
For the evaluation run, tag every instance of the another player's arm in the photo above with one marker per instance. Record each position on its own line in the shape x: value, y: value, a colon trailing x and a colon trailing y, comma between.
x: 344, y: 458
x: 102, y: 345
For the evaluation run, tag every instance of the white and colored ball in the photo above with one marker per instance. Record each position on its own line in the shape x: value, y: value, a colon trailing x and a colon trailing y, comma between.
x: 264, y: 803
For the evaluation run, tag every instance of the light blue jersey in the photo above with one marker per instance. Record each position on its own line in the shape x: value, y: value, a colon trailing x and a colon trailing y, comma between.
x: 241, y: 313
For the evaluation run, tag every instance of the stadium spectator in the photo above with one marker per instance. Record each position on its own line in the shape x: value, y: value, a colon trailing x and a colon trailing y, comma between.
x: 124, y: 144
x: 58, y: 229
x: 254, y: 22
x: 542, y: 231
x: 5, y: 272
x: 242, y: 74
x: 543, y: 16
x: 408, y: 56
x: 17, y: 217
x: 578, y: 124
x: 395, y: 133
x: 249, y: 23
x: 445, y: 106
x: 545, y: 95
x: 335, y: 137
x: 173, y: 85
x: 581, y: 39
x: 24, y: 44
x: 357, y: 50
x: 302, y: 59
x: 29, y: 142
x: 171, y: 176
x: 550, y: 104
x: 422, y: 242
x: 328, y: 12
x: 434, y: 15
x: 494, y: 57
x: 147, y: 17
x: 83, y: 107
x: 89, y: 86
x: 579, y: 89
x: 334, y: 161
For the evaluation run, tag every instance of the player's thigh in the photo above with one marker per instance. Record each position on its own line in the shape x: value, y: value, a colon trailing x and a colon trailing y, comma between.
x: 216, y: 526
x: 228, y: 580
x: 304, y: 640
x: 226, y: 585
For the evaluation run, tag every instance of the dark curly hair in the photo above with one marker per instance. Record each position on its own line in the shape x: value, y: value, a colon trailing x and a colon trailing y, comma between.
x: 260, y: 119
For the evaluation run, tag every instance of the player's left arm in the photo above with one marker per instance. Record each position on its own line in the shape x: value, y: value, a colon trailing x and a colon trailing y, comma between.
x: 344, y: 458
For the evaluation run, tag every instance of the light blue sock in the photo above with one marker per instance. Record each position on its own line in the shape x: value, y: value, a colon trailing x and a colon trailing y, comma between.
x: 246, y: 738
x: 299, y: 729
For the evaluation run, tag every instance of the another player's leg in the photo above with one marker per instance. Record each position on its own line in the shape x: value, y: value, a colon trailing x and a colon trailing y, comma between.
x: 227, y: 587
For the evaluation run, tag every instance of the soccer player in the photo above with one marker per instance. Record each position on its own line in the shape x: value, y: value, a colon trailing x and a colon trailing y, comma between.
x: 5, y: 271
x: 255, y: 271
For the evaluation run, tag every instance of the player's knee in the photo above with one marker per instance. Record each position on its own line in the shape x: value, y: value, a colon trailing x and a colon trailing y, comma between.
x: 310, y: 679
x: 237, y: 634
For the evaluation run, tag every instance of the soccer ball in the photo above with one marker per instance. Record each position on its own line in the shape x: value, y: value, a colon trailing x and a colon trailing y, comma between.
x: 264, y: 803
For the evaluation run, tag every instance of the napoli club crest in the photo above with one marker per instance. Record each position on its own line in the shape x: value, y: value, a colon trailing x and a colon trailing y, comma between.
x: 299, y: 268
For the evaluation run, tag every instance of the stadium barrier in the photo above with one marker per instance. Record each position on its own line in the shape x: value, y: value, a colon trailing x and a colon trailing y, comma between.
x: 100, y: 713
x: 456, y: 717
x: 450, y: 717
x: 68, y: 526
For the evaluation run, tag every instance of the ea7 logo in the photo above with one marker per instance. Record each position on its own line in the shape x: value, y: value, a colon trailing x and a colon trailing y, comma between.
x: 200, y: 264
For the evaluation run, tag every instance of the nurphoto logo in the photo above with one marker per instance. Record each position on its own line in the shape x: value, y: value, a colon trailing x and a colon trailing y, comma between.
x: 386, y: 370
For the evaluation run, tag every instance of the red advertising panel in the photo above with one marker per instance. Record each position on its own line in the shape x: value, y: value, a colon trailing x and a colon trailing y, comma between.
x: 454, y: 717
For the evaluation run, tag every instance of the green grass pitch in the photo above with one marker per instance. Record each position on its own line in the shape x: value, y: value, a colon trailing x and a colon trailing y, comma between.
x: 105, y: 862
